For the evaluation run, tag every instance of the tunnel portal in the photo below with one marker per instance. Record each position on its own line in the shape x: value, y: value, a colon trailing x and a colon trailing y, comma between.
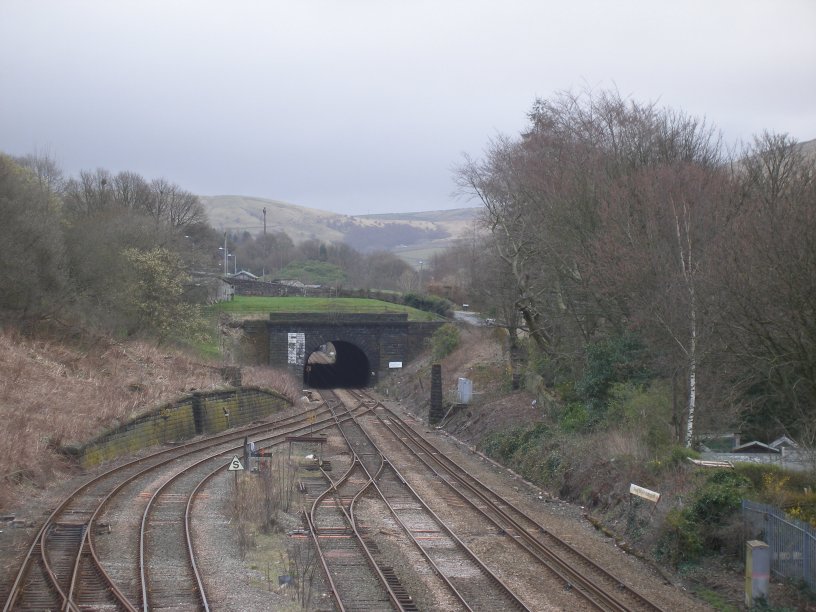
x: 337, y: 364
x: 365, y: 345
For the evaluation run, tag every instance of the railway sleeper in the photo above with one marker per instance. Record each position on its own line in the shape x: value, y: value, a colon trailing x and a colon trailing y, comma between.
x: 405, y: 600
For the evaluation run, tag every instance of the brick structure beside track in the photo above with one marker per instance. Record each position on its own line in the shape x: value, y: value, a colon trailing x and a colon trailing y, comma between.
x: 199, y: 413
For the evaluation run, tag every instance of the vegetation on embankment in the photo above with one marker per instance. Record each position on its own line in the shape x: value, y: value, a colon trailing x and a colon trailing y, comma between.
x: 547, y: 438
x: 54, y: 393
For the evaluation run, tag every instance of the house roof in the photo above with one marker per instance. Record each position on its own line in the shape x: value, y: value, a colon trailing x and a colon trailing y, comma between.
x: 783, y: 442
x: 755, y: 447
x: 245, y: 274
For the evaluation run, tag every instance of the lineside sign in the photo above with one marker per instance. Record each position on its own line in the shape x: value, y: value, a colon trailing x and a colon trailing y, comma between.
x: 652, y: 496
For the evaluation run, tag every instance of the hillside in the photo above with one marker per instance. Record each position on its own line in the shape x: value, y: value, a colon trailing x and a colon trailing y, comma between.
x: 413, y: 236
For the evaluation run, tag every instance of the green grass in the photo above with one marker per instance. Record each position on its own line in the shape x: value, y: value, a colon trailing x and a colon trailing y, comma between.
x: 716, y: 601
x: 254, y: 307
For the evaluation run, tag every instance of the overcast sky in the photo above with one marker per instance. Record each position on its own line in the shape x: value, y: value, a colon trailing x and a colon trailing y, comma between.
x: 365, y: 106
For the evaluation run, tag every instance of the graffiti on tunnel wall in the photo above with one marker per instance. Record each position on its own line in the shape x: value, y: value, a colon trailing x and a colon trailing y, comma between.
x: 297, y: 348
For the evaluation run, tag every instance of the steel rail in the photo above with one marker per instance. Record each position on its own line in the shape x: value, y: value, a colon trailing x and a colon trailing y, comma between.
x: 384, y: 583
x: 120, y: 598
x: 468, y: 552
x: 39, y: 542
x: 530, y: 543
x: 438, y: 570
x: 564, y: 572
x: 143, y: 533
x: 302, y: 423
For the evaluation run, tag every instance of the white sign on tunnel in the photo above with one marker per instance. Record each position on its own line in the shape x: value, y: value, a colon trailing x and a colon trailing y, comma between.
x: 297, y: 348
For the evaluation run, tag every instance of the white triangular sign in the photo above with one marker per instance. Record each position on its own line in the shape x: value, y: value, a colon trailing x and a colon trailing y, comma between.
x: 235, y: 464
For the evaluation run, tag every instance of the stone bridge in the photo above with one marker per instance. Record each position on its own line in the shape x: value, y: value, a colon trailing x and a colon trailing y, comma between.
x: 333, y: 349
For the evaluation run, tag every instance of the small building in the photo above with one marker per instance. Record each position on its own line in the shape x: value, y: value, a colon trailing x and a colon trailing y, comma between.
x: 244, y: 275
x: 755, y: 447
x: 224, y: 291
x: 783, y: 443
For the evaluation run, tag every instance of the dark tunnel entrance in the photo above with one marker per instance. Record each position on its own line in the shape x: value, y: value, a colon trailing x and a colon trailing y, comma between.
x: 337, y: 364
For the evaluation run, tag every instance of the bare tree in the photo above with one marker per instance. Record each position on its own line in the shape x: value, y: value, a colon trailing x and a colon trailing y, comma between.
x: 656, y: 255
x: 89, y: 194
x: 543, y: 197
x: 769, y: 289
x: 33, y: 271
x: 132, y: 191
x: 46, y: 169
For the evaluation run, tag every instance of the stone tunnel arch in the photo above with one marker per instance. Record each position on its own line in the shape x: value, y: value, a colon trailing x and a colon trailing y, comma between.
x: 337, y: 364
x: 285, y: 340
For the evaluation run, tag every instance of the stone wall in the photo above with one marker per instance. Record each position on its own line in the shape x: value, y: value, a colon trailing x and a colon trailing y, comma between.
x: 199, y: 413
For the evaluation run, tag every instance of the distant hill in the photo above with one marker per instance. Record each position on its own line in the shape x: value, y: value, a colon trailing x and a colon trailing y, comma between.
x: 808, y: 148
x: 413, y: 236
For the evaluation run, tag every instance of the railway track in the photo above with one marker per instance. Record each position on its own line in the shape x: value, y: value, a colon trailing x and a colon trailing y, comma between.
x: 466, y: 576
x: 61, y: 569
x: 576, y: 571
x: 123, y: 540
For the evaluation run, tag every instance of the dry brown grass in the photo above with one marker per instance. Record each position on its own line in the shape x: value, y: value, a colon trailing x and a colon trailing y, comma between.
x: 620, y: 443
x: 52, y: 394
x: 281, y: 381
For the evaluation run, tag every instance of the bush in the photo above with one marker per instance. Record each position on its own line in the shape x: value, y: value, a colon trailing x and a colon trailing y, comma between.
x: 707, y: 523
x: 720, y: 497
x: 515, y: 445
x: 576, y: 418
x: 679, y: 541
x: 444, y: 341
x: 428, y: 303
x: 791, y: 491
x: 612, y: 360
x: 676, y: 457
x: 644, y: 408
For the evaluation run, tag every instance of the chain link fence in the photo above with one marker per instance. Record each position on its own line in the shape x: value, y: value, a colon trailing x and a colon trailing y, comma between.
x: 792, y: 543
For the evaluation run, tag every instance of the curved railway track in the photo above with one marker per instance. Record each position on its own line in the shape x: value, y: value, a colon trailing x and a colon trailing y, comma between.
x: 77, y: 561
x: 466, y: 576
x: 61, y: 569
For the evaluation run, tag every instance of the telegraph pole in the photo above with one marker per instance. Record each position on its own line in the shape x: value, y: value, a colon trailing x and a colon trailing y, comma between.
x: 225, y: 253
x: 266, y: 248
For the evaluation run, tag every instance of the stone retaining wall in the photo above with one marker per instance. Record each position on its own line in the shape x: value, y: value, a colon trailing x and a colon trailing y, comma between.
x: 200, y: 413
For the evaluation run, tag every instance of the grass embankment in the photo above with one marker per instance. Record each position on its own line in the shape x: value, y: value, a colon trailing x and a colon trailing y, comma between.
x: 53, y: 393
x: 260, y: 307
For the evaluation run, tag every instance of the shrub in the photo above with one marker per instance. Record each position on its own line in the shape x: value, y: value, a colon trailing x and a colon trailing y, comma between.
x: 503, y: 444
x: 679, y: 455
x: 428, y: 303
x: 789, y: 490
x: 645, y: 408
x: 444, y: 340
x: 498, y: 445
x: 720, y: 497
x: 576, y: 418
x: 679, y: 541
x: 706, y: 524
x: 523, y: 449
x: 615, y: 359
